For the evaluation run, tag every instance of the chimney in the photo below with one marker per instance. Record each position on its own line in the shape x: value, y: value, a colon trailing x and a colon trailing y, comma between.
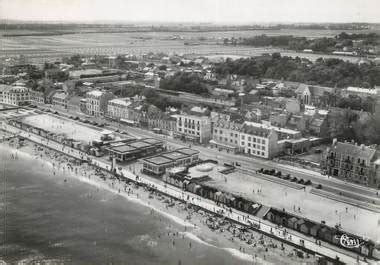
x: 362, y: 146
x: 335, y: 140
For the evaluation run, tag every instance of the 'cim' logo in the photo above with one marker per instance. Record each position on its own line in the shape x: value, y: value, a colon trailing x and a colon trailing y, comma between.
x: 349, y: 242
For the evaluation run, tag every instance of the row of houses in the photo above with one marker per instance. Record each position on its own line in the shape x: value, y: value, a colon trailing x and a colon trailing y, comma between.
x: 319, y: 231
x: 195, y: 185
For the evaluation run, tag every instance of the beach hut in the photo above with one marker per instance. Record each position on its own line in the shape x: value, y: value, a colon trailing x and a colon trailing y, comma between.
x: 298, y: 224
x: 325, y: 234
x: 291, y: 222
x: 304, y: 228
x: 314, y: 231
x: 198, y: 189
x: 190, y: 187
x: 185, y: 183
x: 218, y: 196
x: 254, y: 208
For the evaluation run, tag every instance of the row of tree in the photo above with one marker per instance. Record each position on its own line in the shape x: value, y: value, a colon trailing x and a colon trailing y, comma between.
x: 325, y: 72
x: 323, y: 45
x: 186, y: 82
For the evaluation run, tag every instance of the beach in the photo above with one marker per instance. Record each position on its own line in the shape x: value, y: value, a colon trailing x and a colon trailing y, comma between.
x: 187, y: 228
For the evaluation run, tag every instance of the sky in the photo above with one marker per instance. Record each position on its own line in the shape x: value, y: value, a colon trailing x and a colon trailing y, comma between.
x: 214, y: 11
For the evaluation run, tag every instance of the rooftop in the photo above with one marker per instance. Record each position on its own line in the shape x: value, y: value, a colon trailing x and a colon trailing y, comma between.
x: 123, y: 149
x: 354, y: 150
x: 120, y: 101
x: 362, y: 90
x: 269, y: 127
x: 139, y: 144
x: 174, y: 155
x: 158, y: 160
x: 95, y: 93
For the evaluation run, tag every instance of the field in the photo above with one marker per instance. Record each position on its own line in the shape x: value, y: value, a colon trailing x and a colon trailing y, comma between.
x: 41, y: 48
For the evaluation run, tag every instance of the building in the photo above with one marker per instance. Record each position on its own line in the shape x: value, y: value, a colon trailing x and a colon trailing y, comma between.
x: 351, y: 162
x: 97, y: 101
x: 37, y: 97
x: 259, y: 140
x: 60, y: 99
x: 126, y: 151
x: 157, y: 165
x: 118, y: 108
x: 311, y: 95
x: 360, y: 92
x: 15, y: 95
x: 226, y: 135
x: 193, y: 127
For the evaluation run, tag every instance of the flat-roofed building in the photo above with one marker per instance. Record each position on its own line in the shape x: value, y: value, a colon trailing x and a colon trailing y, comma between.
x: 157, y: 165
x: 196, y: 128
x: 135, y: 149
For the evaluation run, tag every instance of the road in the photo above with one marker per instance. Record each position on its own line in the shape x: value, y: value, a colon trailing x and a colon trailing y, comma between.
x: 350, y: 190
x: 240, y: 217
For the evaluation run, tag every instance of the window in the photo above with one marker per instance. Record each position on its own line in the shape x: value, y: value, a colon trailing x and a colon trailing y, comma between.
x: 231, y: 134
x: 220, y: 131
x: 242, y: 143
x: 216, y: 131
x: 236, y: 135
x: 179, y: 129
x: 254, y: 146
x: 254, y: 139
x: 249, y: 138
x: 263, y: 147
x: 198, y: 133
x: 262, y: 153
x: 263, y: 141
x: 249, y: 144
x: 242, y: 137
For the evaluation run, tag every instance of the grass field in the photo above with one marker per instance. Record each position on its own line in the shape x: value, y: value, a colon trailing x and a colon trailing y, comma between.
x: 51, y: 47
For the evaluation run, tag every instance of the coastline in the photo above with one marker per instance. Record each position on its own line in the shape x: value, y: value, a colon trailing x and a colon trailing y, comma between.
x: 178, y: 213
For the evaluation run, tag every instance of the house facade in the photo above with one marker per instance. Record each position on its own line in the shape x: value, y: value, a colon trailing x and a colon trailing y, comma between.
x: 97, y: 101
x: 192, y: 127
x: 354, y: 163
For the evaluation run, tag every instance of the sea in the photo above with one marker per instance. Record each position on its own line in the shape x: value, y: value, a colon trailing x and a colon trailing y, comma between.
x: 46, y: 220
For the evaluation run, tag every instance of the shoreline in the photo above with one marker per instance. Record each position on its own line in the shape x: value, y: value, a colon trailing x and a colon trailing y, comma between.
x: 201, y: 233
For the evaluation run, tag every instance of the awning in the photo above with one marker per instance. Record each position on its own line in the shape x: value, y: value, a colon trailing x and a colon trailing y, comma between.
x: 222, y: 144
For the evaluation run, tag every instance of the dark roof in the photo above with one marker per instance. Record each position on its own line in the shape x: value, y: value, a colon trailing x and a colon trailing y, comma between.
x: 253, y: 130
x: 354, y: 150
x: 158, y: 160
x: 187, y: 151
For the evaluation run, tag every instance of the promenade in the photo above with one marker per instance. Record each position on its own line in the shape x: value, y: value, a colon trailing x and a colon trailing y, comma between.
x: 237, y: 216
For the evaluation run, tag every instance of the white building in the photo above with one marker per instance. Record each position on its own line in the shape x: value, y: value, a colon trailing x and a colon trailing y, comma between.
x: 258, y: 141
x: 15, y: 95
x: 118, y: 108
x: 193, y: 127
x: 97, y: 101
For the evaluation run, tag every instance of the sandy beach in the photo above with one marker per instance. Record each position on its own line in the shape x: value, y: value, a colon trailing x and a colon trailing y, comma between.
x: 197, y: 225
